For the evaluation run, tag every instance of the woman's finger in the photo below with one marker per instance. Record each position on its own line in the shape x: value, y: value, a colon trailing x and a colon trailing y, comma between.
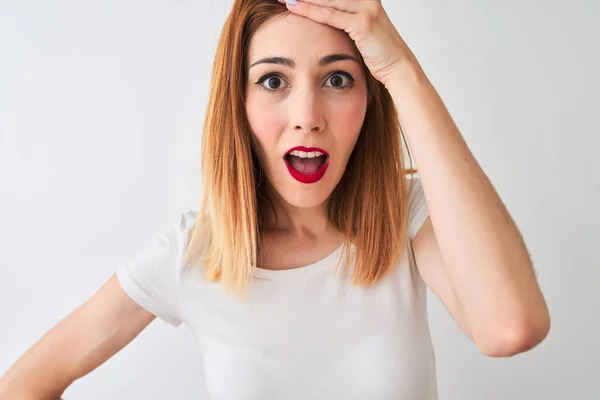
x: 324, y: 15
x: 349, y: 6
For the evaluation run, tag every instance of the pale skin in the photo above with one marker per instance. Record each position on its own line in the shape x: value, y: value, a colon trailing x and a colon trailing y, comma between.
x: 469, y: 252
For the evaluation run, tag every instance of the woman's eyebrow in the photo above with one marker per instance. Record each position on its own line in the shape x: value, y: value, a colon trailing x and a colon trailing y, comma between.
x: 288, y: 62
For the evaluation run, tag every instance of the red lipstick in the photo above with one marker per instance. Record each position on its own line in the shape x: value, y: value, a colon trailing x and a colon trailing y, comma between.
x: 307, y: 178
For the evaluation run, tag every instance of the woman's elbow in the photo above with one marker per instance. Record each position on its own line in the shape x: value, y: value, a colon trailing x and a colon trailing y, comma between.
x: 514, y: 338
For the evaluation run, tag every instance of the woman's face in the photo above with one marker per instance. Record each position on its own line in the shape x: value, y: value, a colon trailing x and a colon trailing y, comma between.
x: 300, y: 92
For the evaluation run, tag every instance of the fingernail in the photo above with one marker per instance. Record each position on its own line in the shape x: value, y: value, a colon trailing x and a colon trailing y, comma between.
x: 292, y: 2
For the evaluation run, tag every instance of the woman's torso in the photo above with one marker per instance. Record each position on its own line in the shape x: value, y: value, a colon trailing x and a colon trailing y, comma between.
x: 307, y: 333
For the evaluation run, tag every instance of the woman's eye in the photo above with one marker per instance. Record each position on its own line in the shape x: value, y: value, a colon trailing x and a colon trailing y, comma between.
x: 270, y: 82
x: 340, y: 80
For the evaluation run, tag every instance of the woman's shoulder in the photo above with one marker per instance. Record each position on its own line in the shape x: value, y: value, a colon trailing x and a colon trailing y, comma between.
x: 418, y: 210
x: 179, y: 228
x: 195, y: 234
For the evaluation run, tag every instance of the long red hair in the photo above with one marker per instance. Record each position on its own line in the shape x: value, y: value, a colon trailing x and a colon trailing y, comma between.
x: 369, y: 205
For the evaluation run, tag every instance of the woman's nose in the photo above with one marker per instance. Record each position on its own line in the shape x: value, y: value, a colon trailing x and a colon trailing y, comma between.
x: 307, y: 113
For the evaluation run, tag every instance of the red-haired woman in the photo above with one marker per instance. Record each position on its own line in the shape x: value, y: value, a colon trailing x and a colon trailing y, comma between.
x: 304, y: 272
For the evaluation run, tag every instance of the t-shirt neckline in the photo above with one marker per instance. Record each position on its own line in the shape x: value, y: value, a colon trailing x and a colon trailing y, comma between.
x: 328, y: 262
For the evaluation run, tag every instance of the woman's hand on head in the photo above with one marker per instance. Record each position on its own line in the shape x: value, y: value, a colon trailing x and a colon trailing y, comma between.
x: 366, y: 22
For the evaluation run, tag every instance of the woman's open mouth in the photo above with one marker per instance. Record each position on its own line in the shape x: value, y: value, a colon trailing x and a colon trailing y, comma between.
x: 307, y: 165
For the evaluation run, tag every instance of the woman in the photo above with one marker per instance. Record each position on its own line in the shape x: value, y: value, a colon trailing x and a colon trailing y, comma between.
x: 303, y: 168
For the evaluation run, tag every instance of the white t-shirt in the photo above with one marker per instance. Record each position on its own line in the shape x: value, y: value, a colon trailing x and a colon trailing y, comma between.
x: 304, y: 333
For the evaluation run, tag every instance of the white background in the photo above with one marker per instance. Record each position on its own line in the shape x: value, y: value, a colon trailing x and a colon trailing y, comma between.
x: 101, y: 112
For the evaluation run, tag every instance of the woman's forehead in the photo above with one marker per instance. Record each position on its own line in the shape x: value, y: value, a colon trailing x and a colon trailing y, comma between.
x: 298, y: 38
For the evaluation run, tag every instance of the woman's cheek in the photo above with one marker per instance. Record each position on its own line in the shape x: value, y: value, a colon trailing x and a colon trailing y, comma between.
x: 351, y: 115
x: 264, y: 117
x: 266, y: 125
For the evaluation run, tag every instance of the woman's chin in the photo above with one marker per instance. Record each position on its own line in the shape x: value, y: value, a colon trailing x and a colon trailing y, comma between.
x: 306, y: 198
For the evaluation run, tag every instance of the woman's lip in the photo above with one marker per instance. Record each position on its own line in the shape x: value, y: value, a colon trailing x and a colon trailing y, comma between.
x: 307, y: 178
x: 307, y: 149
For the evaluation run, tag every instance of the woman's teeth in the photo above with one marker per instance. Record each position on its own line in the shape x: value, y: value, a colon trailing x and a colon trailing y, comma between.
x: 304, y: 154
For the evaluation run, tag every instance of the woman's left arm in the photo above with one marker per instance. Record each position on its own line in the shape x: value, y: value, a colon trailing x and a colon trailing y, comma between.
x: 469, y: 251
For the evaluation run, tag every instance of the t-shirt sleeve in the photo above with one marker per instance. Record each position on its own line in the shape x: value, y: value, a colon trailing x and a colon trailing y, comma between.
x: 151, y: 277
x: 417, y: 206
